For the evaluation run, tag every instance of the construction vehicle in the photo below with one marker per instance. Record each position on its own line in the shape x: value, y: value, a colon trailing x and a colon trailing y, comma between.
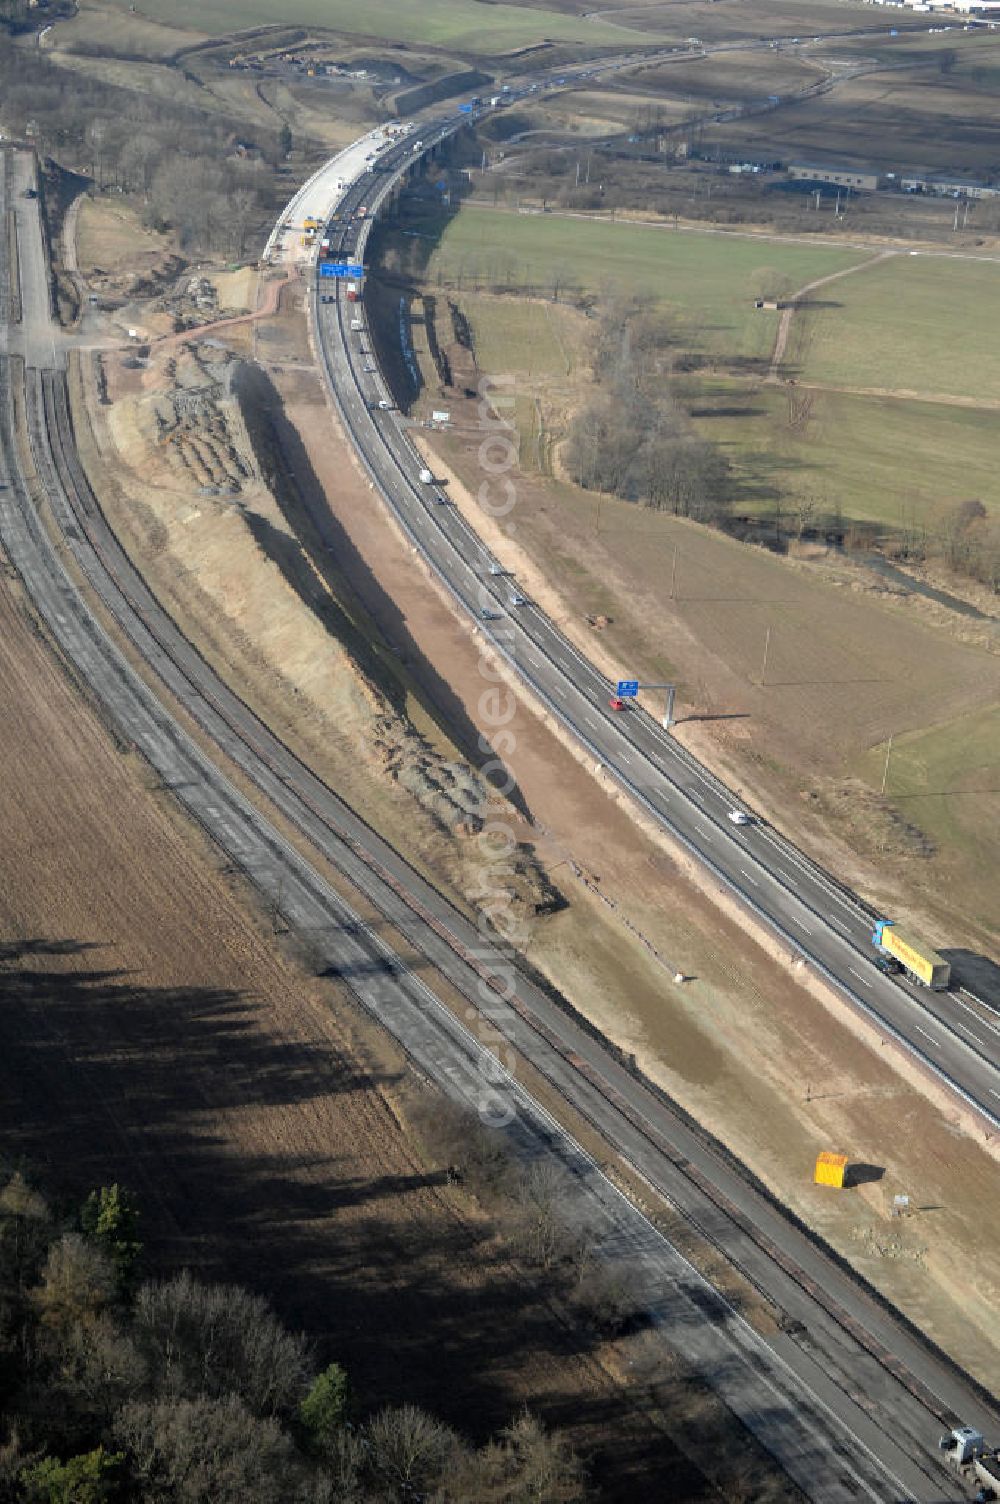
x: 919, y: 961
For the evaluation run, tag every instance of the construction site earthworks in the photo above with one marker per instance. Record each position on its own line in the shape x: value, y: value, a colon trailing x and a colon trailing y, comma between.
x: 192, y: 468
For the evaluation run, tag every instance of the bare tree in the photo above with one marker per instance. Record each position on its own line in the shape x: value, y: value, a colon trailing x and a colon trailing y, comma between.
x: 188, y: 1451
x: 220, y: 1339
x: 959, y: 532
x: 530, y: 1466
x: 409, y: 1452
x: 77, y: 1282
x: 541, y: 1234
x: 242, y: 209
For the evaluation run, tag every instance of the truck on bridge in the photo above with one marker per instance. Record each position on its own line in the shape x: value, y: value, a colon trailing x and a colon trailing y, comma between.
x: 919, y: 960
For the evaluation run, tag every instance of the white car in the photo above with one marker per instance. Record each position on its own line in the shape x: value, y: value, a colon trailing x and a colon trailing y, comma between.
x: 518, y: 600
x: 739, y: 817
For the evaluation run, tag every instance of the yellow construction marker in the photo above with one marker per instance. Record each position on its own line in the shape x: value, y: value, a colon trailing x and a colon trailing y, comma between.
x: 830, y: 1169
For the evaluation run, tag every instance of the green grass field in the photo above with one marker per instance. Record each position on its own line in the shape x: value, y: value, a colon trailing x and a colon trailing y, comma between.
x: 879, y: 459
x: 896, y: 462
x: 946, y: 781
x: 709, y: 280
x: 533, y: 339
x: 923, y: 323
x: 462, y: 24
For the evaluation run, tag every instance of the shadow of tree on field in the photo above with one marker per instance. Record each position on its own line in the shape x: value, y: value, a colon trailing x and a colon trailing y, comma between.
x: 224, y: 1131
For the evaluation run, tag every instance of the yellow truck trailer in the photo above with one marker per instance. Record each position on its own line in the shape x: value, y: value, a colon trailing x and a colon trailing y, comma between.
x: 919, y: 961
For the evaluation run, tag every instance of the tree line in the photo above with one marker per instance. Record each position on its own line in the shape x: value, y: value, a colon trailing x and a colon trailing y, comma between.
x: 968, y: 541
x: 178, y: 165
x: 114, y: 1388
x: 633, y: 438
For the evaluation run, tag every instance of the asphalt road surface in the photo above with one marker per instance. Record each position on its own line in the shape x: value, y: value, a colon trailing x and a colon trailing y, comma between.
x: 828, y: 1406
x: 822, y: 922
x: 807, y: 1289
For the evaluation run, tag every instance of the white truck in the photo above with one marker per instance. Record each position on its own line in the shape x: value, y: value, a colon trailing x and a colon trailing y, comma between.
x: 977, y: 1463
x: 426, y: 478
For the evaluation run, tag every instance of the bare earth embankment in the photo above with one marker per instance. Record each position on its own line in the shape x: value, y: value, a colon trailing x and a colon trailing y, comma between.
x: 741, y: 1045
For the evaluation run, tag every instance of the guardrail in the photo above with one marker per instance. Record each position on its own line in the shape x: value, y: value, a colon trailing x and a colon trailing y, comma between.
x: 442, y: 131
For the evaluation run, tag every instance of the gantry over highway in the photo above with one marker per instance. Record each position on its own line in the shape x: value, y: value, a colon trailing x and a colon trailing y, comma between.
x: 843, y: 1394
x: 822, y: 922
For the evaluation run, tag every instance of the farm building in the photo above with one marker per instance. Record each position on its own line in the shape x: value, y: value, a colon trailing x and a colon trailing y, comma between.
x: 842, y: 177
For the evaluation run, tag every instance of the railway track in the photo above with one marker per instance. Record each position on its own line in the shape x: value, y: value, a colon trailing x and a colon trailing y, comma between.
x: 655, y: 1140
x: 762, y: 1388
x: 793, y: 1393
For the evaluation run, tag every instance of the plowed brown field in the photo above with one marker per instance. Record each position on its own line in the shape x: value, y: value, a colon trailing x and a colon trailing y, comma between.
x: 152, y: 1032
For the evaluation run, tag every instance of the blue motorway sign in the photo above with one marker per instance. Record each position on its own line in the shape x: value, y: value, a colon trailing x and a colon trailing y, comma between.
x: 340, y: 269
x: 628, y: 689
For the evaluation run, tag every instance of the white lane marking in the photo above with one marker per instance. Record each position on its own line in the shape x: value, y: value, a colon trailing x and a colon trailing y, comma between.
x: 751, y: 880
x: 979, y: 1019
x: 557, y: 689
x: 971, y: 1032
x: 625, y: 757
x: 591, y: 722
x: 994, y: 1093
x: 859, y: 976
x: 837, y: 924
x: 804, y: 928
x: 924, y: 1032
x: 696, y: 795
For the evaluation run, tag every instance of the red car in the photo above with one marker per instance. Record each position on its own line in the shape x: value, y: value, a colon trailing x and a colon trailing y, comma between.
x: 616, y: 703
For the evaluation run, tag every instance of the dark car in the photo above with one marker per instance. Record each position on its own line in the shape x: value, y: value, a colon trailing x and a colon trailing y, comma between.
x: 889, y: 965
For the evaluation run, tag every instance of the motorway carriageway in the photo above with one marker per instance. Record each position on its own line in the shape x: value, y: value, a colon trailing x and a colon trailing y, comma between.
x: 819, y: 919
x: 864, y: 1350
x: 836, y: 1417
x: 825, y: 1438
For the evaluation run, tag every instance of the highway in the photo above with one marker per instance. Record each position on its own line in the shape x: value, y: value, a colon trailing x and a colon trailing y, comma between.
x: 851, y: 1403
x: 777, y: 1258
x: 820, y: 920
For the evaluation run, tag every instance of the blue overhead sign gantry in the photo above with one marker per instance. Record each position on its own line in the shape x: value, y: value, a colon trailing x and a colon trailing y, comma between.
x: 340, y: 269
x: 628, y: 689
